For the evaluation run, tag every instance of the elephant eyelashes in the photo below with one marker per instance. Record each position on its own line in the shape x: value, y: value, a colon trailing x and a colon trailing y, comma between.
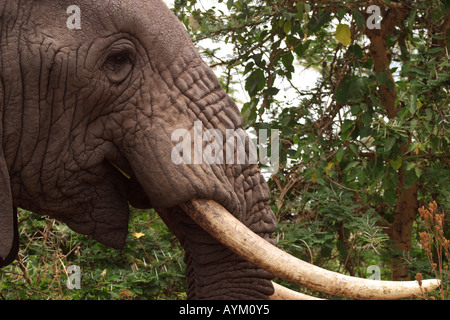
x: 118, y: 65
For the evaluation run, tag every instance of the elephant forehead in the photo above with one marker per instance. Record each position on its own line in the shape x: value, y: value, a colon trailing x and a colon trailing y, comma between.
x: 151, y: 22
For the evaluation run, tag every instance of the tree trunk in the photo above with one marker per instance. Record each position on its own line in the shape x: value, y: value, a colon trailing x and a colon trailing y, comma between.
x: 401, y: 228
x: 407, y: 205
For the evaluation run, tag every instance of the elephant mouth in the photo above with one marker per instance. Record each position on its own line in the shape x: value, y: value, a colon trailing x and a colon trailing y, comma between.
x: 134, y: 192
x: 233, y: 234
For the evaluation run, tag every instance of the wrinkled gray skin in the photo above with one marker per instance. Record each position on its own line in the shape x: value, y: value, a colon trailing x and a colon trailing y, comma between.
x: 72, y: 101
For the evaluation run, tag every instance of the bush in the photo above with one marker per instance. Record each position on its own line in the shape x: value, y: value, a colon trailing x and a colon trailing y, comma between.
x: 150, y: 266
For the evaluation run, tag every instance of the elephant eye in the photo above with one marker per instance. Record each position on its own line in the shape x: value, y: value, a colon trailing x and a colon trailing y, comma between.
x: 118, y: 65
x: 119, y: 59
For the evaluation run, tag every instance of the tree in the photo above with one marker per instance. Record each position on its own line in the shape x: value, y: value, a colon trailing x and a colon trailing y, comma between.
x: 367, y: 144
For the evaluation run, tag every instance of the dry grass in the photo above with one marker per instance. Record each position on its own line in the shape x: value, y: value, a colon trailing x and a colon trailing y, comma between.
x: 436, y: 246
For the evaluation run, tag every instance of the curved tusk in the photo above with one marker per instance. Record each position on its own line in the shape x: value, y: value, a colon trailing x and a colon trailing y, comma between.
x: 283, y: 293
x: 217, y: 221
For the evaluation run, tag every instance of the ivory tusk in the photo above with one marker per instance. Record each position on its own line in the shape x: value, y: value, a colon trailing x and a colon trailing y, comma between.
x: 283, y: 293
x: 222, y: 225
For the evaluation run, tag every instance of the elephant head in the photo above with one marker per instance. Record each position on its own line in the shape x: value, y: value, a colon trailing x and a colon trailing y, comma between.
x: 88, y: 114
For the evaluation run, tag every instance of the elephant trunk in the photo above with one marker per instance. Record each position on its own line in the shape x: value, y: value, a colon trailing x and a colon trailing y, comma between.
x: 212, y: 270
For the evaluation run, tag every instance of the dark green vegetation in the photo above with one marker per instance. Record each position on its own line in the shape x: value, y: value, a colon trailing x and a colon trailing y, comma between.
x: 149, y: 267
x: 366, y: 143
x: 362, y: 149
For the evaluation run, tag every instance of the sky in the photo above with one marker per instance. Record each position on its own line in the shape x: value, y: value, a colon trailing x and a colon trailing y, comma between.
x: 302, y: 79
x: 169, y: 3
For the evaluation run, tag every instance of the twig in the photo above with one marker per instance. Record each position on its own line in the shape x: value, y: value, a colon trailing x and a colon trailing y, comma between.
x: 24, y: 270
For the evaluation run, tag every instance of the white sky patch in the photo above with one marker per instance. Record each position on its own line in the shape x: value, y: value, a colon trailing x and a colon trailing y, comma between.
x: 170, y: 3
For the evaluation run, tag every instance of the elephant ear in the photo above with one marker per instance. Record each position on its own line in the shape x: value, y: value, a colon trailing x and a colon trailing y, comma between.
x: 9, y: 235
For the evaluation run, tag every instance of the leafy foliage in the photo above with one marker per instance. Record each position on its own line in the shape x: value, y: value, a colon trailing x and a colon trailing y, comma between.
x: 149, y: 267
x: 365, y: 143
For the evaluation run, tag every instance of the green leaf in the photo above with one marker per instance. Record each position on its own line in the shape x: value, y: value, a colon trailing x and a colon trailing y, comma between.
x: 409, y: 179
x: 390, y: 196
x: 249, y: 67
x: 356, y: 50
x: 347, y: 125
x: 358, y: 87
x: 409, y: 165
x: 342, y: 95
x: 351, y: 165
x: 255, y: 82
x: 397, y: 163
x: 340, y: 154
x: 343, y: 34
x: 418, y: 172
x: 272, y: 91
x: 355, y: 109
x: 341, y: 13
x: 287, y: 26
x: 383, y: 79
x: 354, y: 148
x: 248, y: 111
x: 301, y: 48
x: 351, y: 89
x: 285, y: 121
x: 412, y: 105
x: 318, y: 21
x: 288, y: 61
x: 410, y: 20
x: 366, y: 118
x: 359, y: 18
x: 389, y: 143
x: 300, y: 10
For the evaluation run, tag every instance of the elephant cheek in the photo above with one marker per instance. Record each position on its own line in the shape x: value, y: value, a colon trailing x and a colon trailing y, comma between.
x: 105, y: 217
x: 111, y: 234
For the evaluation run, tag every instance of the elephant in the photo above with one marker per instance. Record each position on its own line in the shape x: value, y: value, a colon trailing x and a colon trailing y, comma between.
x: 88, y: 108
